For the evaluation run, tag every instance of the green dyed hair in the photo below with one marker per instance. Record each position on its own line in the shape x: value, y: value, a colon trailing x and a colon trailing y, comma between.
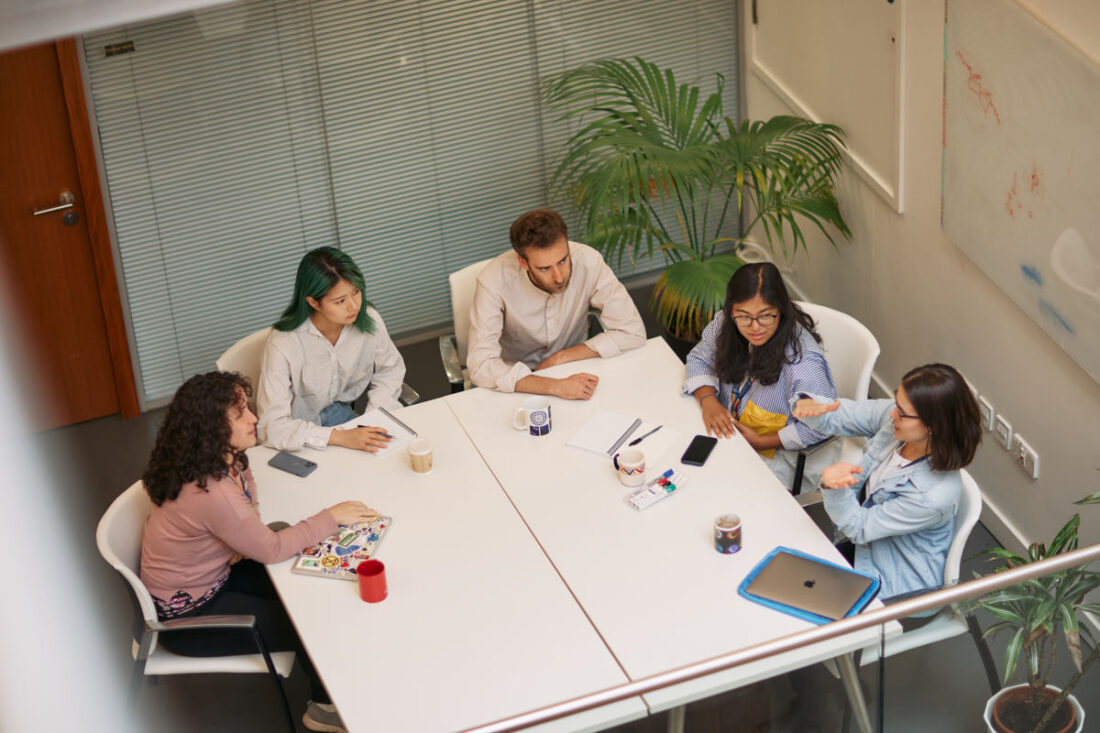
x: 318, y: 273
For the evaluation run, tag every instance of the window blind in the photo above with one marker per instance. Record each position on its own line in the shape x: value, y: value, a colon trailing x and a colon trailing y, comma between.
x: 409, y: 134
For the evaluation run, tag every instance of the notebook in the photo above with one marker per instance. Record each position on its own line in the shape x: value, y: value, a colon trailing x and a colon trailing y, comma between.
x: 607, y: 433
x: 380, y: 417
x: 339, y: 555
x: 808, y: 587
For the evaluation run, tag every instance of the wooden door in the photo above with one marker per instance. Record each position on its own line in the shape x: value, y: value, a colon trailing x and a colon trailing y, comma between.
x: 54, y: 294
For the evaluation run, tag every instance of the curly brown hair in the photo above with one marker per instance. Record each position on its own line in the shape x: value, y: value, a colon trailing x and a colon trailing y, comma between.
x: 194, y: 441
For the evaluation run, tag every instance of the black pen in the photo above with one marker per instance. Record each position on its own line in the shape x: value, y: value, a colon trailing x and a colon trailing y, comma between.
x: 651, y: 432
x: 385, y: 434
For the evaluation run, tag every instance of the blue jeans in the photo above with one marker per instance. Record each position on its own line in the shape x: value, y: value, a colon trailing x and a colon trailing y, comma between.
x: 337, y: 413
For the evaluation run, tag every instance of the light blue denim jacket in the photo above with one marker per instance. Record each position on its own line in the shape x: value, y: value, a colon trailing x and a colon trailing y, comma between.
x: 904, y: 528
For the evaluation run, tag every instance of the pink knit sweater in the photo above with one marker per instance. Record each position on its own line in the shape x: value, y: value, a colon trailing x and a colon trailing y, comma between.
x: 188, y: 542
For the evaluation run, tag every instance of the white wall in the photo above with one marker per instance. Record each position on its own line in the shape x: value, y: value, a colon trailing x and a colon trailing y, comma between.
x: 925, y: 301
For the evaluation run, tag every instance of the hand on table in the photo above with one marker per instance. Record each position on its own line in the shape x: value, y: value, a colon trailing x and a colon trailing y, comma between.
x: 806, y: 407
x: 579, y: 386
x: 716, y: 418
x: 352, y: 512
x: 840, y: 476
x: 367, y: 438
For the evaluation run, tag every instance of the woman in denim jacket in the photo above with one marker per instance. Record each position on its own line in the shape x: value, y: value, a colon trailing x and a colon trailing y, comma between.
x: 898, y: 506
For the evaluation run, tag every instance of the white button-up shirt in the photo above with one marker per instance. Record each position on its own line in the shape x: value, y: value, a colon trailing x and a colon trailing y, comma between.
x: 515, y: 325
x: 303, y: 373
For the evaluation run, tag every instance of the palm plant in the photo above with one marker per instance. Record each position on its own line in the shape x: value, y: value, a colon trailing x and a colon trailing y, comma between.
x: 656, y: 165
x: 1035, y: 610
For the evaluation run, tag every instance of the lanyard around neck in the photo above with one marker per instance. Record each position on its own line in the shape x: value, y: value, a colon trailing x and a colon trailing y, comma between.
x: 239, y: 481
x: 739, y: 394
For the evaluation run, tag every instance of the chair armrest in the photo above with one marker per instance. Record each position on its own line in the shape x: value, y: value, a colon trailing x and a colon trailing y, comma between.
x: 448, y: 353
x: 409, y: 396
x: 811, y: 449
x: 217, y: 621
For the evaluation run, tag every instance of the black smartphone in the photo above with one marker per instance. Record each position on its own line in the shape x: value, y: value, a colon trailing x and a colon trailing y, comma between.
x: 699, y: 450
x: 292, y: 464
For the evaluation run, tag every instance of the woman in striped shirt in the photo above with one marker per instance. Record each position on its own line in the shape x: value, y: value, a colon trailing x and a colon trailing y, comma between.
x: 758, y: 351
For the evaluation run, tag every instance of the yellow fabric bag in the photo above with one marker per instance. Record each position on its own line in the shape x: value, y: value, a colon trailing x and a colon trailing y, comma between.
x: 763, y: 422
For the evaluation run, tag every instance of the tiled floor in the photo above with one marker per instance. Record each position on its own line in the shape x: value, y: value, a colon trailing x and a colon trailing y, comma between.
x: 940, y: 688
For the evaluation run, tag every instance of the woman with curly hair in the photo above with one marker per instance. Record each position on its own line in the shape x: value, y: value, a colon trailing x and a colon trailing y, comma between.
x: 758, y: 351
x: 204, y: 543
x: 328, y: 348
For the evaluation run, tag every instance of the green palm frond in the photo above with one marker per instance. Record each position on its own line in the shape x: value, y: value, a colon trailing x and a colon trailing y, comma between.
x: 689, y: 292
x: 655, y: 162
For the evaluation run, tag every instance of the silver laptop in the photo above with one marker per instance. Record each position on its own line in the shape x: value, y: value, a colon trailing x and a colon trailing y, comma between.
x: 811, y: 585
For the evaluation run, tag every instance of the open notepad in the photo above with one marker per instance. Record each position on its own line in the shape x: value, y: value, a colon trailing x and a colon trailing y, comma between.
x: 380, y: 417
x: 608, y: 432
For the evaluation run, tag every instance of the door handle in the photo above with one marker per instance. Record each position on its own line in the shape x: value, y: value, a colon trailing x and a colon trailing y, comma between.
x: 64, y: 201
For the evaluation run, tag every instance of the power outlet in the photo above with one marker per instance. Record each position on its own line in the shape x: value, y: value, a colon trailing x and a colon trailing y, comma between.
x: 1025, y: 456
x: 1003, y: 430
x: 986, y: 408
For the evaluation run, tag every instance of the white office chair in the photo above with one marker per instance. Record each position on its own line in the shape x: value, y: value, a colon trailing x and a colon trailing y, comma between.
x: 851, y: 351
x: 949, y: 621
x: 118, y: 538
x: 246, y: 357
x: 452, y: 347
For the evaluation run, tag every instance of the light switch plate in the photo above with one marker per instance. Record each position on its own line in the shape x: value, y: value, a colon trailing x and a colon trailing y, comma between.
x: 1003, y: 430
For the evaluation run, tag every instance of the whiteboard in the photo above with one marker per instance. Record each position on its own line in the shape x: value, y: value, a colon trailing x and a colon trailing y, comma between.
x: 840, y: 62
x: 1021, y: 166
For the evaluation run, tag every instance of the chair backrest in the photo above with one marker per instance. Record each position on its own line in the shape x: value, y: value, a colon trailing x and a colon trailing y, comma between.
x: 970, y: 509
x: 118, y: 538
x: 246, y: 356
x: 850, y: 348
x: 463, y: 283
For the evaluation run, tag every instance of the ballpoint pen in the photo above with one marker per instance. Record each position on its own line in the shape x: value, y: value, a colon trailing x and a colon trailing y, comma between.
x: 384, y: 433
x: 651, y: 432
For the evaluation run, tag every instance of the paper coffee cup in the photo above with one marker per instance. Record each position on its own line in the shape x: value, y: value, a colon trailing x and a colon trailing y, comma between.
x: 420, y: 455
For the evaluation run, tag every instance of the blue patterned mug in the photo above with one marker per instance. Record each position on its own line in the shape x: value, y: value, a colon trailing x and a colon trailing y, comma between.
x: 534, y: 416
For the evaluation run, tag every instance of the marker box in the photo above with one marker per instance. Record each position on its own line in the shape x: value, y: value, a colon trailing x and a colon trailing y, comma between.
x: 659, y: 488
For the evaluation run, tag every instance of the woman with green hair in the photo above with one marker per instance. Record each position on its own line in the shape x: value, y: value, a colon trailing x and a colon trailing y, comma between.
x: 329, y: 346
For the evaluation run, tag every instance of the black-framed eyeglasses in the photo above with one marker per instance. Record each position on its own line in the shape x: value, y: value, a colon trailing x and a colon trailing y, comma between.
x: 907, y: 415
x: 764, y: 320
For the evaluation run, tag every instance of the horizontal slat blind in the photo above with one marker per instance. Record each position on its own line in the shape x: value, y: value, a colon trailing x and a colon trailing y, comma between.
x: 216, y: 169
x: 407, y: 133
x: 695, y: 39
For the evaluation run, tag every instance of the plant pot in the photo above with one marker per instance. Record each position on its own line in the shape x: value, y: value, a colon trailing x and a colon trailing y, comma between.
x: 995, y: 708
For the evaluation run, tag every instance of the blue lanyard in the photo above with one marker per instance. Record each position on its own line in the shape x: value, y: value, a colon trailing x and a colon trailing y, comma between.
x: 739, y: 394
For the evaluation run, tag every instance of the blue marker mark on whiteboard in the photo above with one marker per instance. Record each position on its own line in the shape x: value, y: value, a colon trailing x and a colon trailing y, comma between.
x: 1051, y: 312
x: 1032, y: 273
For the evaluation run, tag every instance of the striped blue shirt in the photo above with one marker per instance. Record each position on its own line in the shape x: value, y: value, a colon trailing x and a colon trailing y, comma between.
x: 809, y: 373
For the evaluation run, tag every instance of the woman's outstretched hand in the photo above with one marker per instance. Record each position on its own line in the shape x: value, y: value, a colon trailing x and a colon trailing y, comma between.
x: 806, y: 407
x: 840, y: 476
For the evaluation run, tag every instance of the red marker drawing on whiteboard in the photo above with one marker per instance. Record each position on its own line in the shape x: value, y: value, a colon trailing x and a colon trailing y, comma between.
x: 974, y: 84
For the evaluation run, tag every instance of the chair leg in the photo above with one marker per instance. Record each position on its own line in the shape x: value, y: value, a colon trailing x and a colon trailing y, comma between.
x: 983, y: 652
x: 274, y: 678
x: 139, y: 666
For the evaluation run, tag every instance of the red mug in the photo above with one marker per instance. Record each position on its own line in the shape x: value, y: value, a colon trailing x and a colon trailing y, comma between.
x: 372, y: 581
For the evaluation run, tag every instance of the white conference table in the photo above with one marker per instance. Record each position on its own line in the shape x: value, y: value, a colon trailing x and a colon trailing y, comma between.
x: 477, y: 626
x: 651, y: 581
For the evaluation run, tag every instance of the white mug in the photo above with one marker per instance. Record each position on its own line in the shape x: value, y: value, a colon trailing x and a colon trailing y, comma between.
x: 534, y: 416
x: 630, y: 467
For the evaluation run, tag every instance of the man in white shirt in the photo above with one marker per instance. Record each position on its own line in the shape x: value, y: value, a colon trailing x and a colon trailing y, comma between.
x: 530, y: 312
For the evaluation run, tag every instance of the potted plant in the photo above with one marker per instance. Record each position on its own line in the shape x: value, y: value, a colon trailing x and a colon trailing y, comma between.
x: 1033, y: 612
x: 656, y: 165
